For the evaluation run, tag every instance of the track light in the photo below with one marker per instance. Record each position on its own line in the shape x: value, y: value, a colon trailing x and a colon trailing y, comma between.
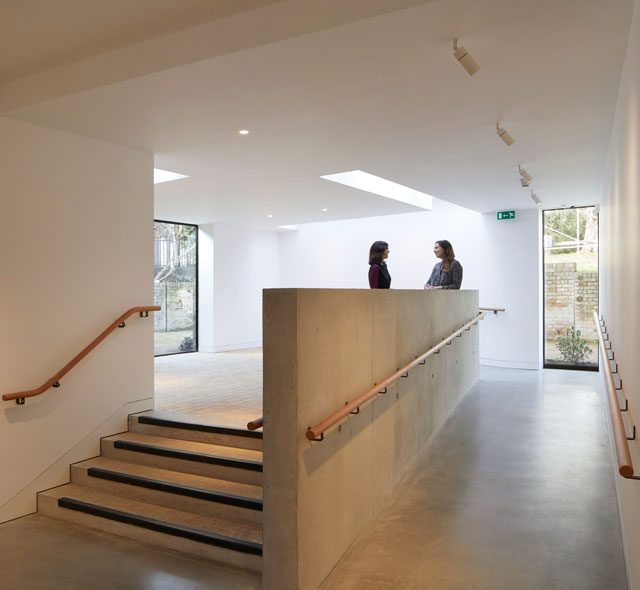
x: 464, y: 59
x: 504, y: 136
x: 525, y: 175
x: 535, y: 198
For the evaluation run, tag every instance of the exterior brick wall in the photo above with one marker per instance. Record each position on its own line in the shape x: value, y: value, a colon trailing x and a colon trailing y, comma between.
x: 571, y: 296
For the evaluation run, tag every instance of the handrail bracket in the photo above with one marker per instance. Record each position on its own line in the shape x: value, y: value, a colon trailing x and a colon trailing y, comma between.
x: 353, y: 407
x: 610, y: 370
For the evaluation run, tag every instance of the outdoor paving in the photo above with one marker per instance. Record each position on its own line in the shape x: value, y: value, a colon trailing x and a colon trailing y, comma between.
x: 169, y: 342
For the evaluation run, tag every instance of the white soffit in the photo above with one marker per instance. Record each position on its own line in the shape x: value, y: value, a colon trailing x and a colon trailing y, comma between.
x: 383, y: 187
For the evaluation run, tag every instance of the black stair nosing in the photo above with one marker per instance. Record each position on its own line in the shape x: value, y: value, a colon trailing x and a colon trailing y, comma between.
x: 162, y: 527
x: 172, y: 488
x: 210, y: 428
x: 246, y: 464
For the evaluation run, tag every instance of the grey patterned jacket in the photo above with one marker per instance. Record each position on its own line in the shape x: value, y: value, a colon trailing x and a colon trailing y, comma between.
x: 447, y: 280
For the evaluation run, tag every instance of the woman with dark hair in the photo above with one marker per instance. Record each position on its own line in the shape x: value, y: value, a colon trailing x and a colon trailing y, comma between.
x: 446, y: 274
x: 379, y: 277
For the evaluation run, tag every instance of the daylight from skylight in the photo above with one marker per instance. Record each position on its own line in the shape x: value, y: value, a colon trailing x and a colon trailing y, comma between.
x: 383, y: 187
x: 165, y: 176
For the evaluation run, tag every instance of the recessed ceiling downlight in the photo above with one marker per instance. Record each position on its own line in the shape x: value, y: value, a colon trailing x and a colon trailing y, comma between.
x: 166, y: 176
x: 243, y: 132
x: 383, y: 187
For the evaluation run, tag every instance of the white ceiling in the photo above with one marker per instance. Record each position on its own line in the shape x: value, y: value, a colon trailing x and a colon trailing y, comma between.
x: 382, y: 95
x: 36, y: 35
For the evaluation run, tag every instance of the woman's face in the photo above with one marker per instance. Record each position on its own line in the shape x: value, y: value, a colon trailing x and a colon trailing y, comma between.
x: 385, y: 254
x: 438, y: 250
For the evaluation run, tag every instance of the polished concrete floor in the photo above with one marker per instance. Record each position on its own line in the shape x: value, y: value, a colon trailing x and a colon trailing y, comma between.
x: 42, y: 553
x: 515, y: 493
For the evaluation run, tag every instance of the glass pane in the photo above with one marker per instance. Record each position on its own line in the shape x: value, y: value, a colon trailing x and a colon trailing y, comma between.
x: 570, y: 287
x: 175, y: 287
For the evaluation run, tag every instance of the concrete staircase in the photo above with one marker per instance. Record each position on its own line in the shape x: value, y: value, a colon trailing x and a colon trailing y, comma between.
x: 191, y: 487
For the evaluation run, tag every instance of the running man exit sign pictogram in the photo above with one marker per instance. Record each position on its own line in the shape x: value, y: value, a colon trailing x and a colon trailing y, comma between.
x: 506, y: 214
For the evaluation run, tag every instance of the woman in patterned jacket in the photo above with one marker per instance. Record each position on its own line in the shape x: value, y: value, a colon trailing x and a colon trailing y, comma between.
x: 446, y: 274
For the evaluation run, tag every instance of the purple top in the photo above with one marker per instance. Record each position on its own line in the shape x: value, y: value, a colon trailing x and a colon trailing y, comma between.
x: 379, y: 277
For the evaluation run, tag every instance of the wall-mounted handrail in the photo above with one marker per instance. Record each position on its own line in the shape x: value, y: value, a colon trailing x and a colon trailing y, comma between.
x: 255, y: 423
x: 353, y: 406
x: 20, y: 396
x: 625, y: 465
x: 495, y: 310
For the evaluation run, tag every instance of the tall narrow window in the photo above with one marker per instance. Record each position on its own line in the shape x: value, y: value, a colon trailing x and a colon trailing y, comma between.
x: 570, y: 243
x: 175, y: 287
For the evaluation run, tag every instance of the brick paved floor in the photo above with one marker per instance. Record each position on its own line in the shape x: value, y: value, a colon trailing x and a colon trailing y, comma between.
x: 222, y: 388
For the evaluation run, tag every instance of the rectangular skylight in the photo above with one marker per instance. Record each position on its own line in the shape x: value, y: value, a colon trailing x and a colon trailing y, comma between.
x: 380, y: 186
x: 165, y: 176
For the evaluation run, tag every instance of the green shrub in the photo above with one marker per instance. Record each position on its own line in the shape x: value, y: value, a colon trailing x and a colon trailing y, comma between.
x: 572, y: 346
x: 187, y: 344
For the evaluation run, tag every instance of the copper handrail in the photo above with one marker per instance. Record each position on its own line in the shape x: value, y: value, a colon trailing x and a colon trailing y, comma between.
x: 319, y: 429
x: 255, y: 423
x: 495, y: 310
x: 20, y: 396
x: 625, y: 465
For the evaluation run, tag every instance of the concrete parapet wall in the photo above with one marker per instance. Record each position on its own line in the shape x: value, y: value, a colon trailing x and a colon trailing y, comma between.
x: 325, y: 347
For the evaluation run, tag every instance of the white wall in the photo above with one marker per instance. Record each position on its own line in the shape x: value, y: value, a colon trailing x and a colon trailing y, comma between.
x: 620, y: 273
x: 206, y: 274
x: 335, y: 254
x: 511, y: 278
x: 76, y: 231
x: 245, y: 262
x: 500, y: 259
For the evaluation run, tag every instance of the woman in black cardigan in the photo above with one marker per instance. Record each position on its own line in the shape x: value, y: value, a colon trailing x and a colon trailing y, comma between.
x: 379, y: 277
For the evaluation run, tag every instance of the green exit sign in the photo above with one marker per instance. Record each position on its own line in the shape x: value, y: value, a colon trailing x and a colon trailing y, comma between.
x: 506, y: 214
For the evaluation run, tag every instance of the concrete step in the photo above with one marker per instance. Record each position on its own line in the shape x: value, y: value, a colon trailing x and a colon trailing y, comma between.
x: 189, y: 427
x: 219, y: 462
x: 235, y: 543
x: 182, y: 491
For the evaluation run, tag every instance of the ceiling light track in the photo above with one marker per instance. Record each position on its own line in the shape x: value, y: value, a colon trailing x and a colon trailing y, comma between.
x: 471, y: 67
